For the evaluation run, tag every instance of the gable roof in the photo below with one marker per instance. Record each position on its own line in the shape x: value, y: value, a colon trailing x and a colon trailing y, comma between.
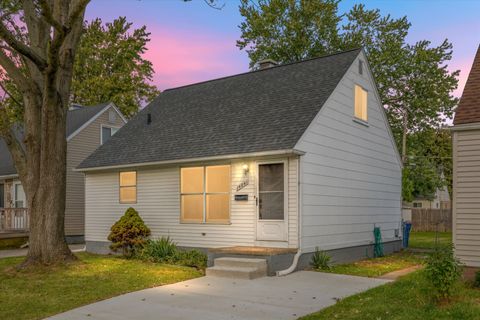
x: 468, y: 110
x: 76, y: 118
x: 258, y: 111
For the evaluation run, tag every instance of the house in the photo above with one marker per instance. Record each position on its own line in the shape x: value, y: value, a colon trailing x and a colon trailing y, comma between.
x: 87, y: 129
x: 466, y: 170
x: 440, y: 200
x: 280, y: 160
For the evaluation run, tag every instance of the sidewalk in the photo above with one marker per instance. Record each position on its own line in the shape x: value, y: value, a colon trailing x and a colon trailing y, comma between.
x: 23, y: 252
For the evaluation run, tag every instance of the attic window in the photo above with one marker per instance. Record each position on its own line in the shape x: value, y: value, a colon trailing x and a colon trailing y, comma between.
x: 360, y: 67
x: 361, y: 106
x: 112, y: 116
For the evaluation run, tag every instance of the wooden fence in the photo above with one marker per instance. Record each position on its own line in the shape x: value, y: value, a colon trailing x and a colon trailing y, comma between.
x: 432, y: 220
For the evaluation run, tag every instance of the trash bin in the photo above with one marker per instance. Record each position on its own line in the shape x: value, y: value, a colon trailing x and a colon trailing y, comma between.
x: 407, y: 226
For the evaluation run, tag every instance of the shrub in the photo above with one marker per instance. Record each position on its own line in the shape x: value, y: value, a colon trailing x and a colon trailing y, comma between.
x: 443, y: 270
x: 476, y: 282
x: 159, y: 250
x: 129, y: 233
x: 321, y: 260
x: 192, y: 258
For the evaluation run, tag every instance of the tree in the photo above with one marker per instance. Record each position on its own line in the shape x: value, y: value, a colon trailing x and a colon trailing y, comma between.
x: 38, y: 46
x: 414, y: 83
x: 110, y: 67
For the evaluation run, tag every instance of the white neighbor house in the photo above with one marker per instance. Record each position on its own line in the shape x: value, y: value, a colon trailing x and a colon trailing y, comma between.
x: 295, y: 156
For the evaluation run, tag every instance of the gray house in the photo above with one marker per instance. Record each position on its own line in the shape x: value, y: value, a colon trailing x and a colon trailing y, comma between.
x: 87, y: 129
x: 276, y: 161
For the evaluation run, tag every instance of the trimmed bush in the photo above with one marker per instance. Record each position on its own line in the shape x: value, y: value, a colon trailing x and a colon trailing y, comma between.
x: 476, y: 282
x: 443, y: 270
x: 129, y: 233
x: 320, y: 260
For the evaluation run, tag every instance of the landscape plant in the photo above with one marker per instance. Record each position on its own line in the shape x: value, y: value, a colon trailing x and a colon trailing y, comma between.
x: 443, y: 271
x: 320, y: 260
x: 129, y: 233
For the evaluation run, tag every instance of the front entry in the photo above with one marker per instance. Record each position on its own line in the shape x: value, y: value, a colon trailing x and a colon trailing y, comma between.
x: 271, y: 201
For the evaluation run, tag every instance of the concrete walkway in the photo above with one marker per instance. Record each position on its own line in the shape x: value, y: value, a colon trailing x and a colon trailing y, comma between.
x: 23, y: 252
x: 214, y: 298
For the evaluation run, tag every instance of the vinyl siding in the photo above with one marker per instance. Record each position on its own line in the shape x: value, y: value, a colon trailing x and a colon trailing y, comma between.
x: 78, y: 148
x: 158, y: 203
x: 350, y: 173
x: 466, y: 196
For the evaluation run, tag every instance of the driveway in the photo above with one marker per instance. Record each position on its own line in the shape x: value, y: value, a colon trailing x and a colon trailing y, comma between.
x: 214, y: 298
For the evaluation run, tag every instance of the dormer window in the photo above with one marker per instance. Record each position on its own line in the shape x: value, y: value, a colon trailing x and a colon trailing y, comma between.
x: 107, y: 133
x: 361, y: 106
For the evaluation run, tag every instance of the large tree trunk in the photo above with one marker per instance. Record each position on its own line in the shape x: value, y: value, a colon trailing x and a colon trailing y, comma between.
x: 46, y: 193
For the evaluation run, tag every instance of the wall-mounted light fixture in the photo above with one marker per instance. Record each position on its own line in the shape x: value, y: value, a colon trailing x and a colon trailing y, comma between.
x: 245, y: 169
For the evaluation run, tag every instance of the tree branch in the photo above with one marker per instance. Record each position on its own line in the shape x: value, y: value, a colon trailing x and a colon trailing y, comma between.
x: 16, y: 150
x: 47, y: 14
x: 14, y: 72
x: 21, y: 48
x: 75, y: 13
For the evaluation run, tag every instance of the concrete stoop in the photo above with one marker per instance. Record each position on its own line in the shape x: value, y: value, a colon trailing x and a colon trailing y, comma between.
x: 238, y: 268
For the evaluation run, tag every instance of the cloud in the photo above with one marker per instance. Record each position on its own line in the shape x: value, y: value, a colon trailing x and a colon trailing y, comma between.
x: 181, y: 57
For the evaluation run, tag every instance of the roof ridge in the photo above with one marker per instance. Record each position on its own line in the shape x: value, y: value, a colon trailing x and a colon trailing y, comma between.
x: 266, y: 69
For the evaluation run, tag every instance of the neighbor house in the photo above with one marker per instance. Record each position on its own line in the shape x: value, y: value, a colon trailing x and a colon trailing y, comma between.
x: 87, y: 129
x: 281, y: 160
x: 466, y: 170
x: 440, y: 200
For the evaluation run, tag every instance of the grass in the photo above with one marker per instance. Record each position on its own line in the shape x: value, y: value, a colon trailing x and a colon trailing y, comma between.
x: 12, y: 243
x: 408, y: 298
x: 378, y: 266
x: 35, y: 294
x: 426, y: 240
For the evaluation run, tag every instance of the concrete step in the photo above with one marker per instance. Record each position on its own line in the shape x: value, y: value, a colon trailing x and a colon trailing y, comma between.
x: 247, y: 273
x: 240, y: 262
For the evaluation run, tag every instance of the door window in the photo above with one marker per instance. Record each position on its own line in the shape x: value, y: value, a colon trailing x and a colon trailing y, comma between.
x: 19, y: 196
x: 271, y: 191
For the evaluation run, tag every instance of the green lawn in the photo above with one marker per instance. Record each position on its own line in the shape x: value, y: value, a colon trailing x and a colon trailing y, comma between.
x: 408, y: 298
x: 426, y: 240
x: 378, y: 266
x: 46, y: 291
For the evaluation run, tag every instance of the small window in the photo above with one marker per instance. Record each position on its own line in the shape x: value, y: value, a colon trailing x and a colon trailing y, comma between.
x: 2, y: 195
x: 360, y: 67
x: 128, y: 187
x: 19, y: 196
x: 417, y: 204
x: 107, y: 133
x: 112, y: 116
x: 361, y: 107
x: 205, y: 194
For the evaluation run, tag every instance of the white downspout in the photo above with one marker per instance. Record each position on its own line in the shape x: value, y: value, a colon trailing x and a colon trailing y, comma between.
x: 299, y: 252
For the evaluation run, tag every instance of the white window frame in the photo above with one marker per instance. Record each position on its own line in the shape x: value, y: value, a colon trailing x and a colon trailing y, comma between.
x: 285, y: 190
x: 129, y: 186
x: 15, y: 195
x: 205, y: 193
x: 102, y: 126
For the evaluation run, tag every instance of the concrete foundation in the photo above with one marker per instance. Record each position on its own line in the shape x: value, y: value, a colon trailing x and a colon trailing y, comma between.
x: 75, y: 239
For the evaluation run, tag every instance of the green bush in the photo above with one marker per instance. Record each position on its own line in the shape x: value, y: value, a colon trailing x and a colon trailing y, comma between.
x: 192, y: 258
x: 164, y: 250
x: 320, y: 260
x: 443, y: 270
x: 159, y: 250
x: 476, y: 282
x: 129, y: 233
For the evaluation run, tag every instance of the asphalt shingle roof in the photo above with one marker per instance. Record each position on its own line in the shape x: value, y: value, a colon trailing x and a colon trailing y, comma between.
x: 468, y: 110
x: 75, y: 119
x: 263, y: 110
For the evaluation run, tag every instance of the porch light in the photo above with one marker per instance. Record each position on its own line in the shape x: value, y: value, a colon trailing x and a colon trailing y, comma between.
x: 245, y: 168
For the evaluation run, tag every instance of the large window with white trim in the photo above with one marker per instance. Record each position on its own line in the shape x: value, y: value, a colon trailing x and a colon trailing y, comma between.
x: 205, y: 194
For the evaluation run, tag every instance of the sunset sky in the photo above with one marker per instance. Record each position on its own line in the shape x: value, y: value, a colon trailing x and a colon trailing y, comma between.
x: 191, y: 42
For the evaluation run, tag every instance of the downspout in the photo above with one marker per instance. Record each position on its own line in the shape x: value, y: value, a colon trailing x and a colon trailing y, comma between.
x: 297, y: 256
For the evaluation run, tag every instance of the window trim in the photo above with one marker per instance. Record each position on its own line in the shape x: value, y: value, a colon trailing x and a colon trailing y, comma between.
x: 355, y: 118
x: 14, y: 194
x: 107, y: 127
x: 129, y: 186
x: 204, y: 195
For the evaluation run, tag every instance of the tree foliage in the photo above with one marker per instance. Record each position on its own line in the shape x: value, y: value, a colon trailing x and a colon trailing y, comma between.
x: 413, y: 80
x: 110, y: 66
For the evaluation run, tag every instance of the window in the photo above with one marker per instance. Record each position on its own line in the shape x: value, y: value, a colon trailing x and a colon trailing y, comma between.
x: 128, y: 187
x: 107, y: 133
x: 361, y: 103
x: 205, y: 194
x: 360, y: 67
x: 2, y: 195
x: 19, y: 196
x: 417, y: 204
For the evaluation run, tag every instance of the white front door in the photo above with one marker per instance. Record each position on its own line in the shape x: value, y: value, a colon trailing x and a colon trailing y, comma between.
x: 271, y: 201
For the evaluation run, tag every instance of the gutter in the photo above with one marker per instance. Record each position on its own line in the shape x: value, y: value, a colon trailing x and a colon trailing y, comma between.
x: 175, y: 161
x: 297, y: 256
x: 9, y: 176
x: 467, y: 126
